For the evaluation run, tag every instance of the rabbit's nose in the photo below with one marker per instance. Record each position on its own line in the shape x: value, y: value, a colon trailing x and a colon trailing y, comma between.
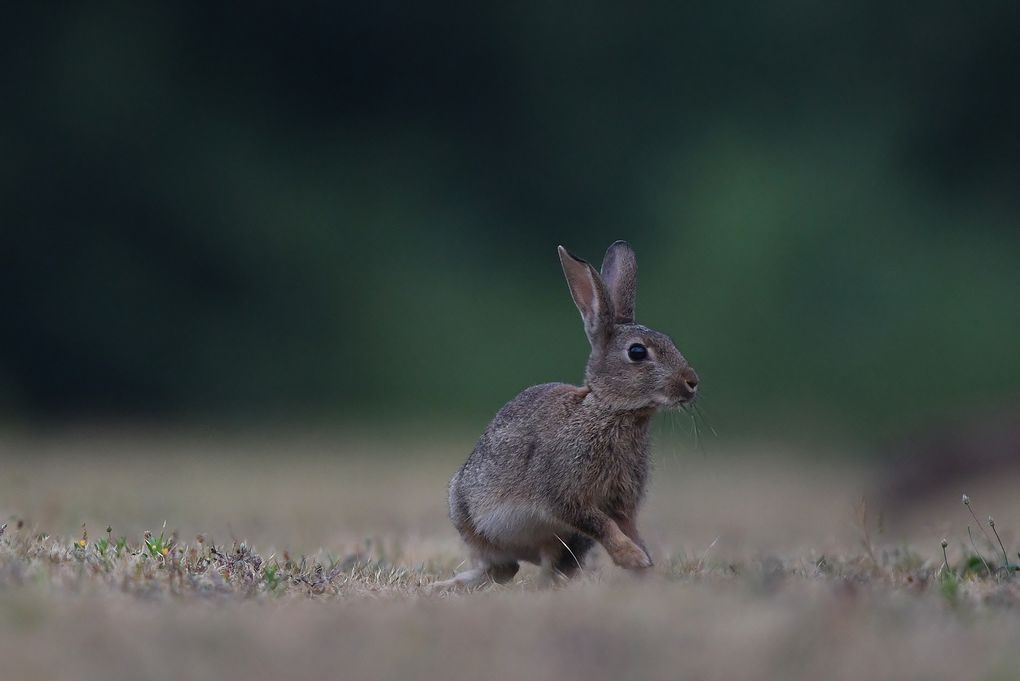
x: 690, y: 380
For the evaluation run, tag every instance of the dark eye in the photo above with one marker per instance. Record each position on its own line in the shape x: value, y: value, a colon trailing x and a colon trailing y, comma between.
x: 637, y: 352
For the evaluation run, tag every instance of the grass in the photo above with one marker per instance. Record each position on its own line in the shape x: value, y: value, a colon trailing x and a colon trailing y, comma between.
x: 290, y: 558
x: 182, y: 571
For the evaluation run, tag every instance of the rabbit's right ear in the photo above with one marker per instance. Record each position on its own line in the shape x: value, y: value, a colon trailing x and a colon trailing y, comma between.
x: 619, y: 271
x: 590, y: 295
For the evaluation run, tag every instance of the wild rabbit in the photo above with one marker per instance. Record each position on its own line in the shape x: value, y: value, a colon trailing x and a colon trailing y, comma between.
x: 562, y: 467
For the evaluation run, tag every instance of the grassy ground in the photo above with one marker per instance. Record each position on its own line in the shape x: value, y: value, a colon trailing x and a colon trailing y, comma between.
x: 288, y: 557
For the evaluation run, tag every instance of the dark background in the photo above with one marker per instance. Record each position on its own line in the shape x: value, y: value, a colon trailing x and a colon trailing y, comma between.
x: 349, y: 213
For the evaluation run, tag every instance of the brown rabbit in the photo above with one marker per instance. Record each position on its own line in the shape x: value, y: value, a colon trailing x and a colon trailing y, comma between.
x: 562, y: 467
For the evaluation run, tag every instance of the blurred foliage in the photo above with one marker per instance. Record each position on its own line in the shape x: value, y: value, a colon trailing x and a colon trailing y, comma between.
x: 351, y: 209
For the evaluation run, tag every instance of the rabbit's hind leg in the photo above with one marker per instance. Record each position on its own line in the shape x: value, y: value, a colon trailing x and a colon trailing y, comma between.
x: 484, y: 573
x: 489, y: 565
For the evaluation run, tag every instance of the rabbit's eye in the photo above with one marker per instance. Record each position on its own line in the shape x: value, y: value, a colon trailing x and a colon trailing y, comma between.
x: 637, y: 352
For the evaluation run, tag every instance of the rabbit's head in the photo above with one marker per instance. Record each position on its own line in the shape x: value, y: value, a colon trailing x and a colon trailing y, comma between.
x: 631, y: 366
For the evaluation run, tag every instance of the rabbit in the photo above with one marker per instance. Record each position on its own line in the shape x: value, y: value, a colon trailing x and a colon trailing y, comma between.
x: 561, y: 467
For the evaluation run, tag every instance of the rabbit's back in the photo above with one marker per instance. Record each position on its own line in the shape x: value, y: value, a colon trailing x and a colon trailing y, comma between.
x: 522, y: 441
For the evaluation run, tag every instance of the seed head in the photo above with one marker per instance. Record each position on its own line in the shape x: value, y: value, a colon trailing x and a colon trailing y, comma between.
x: 944, y: 543
x: 991, y: 521
x: 966, y: 500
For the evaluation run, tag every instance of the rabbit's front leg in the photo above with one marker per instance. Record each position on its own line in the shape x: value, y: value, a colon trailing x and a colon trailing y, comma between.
x: 624, y: 551
x: 628, y: 526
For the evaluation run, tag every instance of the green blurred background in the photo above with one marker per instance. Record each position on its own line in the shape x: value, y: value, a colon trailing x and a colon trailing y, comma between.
x: 348, y: 212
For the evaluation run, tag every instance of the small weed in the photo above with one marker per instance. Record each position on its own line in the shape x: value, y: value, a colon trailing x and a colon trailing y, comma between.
x: 975, y: 566
x: 84, y: 541
x: 158, y: 547
x: 1006, y: 568
x: 949, y: 587
x: 864, y: 527
x: 1005, y: 556
x: 271, y: 576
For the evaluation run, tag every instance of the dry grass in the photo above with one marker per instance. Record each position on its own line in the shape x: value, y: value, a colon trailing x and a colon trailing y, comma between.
x: 315, y: 557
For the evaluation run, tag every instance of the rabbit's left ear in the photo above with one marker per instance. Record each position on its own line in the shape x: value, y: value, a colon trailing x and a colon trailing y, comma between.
x: 619, y: 272
x: 591, y: 297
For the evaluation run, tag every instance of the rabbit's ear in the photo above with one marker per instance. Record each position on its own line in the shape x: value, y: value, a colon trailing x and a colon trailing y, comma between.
x: 619, y: 272
x: 590, y: 295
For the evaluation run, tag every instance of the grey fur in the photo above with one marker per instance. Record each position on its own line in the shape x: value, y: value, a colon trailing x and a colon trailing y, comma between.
x: 562, y: 467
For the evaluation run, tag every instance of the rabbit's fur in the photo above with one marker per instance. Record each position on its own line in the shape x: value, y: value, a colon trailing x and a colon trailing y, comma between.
x: 562, y: 467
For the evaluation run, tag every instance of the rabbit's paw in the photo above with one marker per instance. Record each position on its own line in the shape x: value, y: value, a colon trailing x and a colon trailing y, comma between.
x: 631, y: 556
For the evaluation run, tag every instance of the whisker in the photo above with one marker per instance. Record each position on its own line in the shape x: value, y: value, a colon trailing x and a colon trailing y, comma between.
x: 672, y: 436
x: 704, y: 418
x: 580, y: 569
x: 697, y: 432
